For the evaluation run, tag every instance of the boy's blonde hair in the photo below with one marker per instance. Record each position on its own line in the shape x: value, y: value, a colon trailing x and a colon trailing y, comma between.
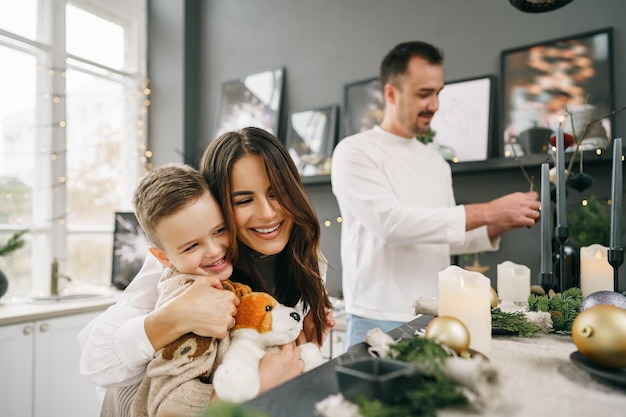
x: 165, y: 191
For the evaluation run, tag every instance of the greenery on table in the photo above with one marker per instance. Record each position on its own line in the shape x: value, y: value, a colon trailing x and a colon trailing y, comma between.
x: 219, y: 408
x: 515, y: 321
x: 434, y: 390
x: 563, y: 307
x: 14, y: 243
x: 427, y: 137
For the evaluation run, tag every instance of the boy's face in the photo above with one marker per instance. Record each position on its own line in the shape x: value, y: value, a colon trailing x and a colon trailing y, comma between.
x: 195, y: 240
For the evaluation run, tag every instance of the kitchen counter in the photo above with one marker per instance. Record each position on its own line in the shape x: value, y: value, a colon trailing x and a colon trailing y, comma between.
x: 20, y: 310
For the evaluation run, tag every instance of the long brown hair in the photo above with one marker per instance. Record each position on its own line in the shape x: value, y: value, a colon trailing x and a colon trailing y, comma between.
x: 301, y: 257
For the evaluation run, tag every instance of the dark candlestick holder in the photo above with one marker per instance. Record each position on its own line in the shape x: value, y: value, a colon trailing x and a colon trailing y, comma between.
x: 546, y: 280
x: 616, y: 259
x: 561, y: 234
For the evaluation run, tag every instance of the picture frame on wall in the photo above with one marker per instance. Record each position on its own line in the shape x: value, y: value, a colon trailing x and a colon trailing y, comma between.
x: 252, y: 100
x: 363, y: 106
x: 311, y: 138
x: 567, y: 80
x: 130, y: 246
x: 463, y: 125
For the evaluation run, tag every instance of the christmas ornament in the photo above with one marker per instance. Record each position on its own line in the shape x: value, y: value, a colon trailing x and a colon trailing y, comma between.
x: 449, y: 331
x: 599, y: 333
x: 580, y: 182
x: 603, y: 297
x: 494, y: 298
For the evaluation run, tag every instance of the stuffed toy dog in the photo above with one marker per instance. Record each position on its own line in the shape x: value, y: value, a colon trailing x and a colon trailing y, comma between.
x: 262, y: 324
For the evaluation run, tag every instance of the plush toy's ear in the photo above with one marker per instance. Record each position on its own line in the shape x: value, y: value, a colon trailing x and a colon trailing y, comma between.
x: 254, y: 311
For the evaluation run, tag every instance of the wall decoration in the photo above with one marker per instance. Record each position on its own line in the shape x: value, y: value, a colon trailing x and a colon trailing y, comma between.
x: 253, y: 100
x: 541, y: 81
x: 311, y: 138
x: 462, y: 125
x: 363, y: 106
x: 130, y: 247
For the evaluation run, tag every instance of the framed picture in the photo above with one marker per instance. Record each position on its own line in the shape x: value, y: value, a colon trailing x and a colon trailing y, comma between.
x: 253, y: 100
x: 567, y: 80
x: 130, y: 247
x: 463, y: 124
x: 311, y: 138
x: 363, y: 106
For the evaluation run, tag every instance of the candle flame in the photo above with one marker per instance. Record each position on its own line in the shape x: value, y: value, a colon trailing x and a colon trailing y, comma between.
x: 598, y: 254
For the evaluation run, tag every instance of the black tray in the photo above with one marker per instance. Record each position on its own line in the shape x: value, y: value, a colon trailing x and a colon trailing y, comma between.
x: 613, y: 375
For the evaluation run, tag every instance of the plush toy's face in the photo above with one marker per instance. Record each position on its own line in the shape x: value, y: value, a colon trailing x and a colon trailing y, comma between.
x: 275, y: 324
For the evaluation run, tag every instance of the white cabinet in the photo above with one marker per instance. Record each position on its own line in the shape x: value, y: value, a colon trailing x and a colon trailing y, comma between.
x: 39, y: 369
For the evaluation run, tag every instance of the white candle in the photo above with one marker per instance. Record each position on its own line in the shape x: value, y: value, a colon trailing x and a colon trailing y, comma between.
x: 546, y: 221
x: 466, y: 295
x: 561, y: 221
x: 513, y: 282
x: 616, y: 196
x: 596, y: 274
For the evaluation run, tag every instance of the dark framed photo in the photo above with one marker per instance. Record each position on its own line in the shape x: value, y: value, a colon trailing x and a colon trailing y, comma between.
x: 567, y: 80
x: 311, y: 138
x: 130, y: 247
x: 363, y: 106
x: 253, y: 100
x: 463, y: 124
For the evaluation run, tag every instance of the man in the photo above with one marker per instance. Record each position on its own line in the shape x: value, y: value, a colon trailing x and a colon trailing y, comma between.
x: 400, y: 219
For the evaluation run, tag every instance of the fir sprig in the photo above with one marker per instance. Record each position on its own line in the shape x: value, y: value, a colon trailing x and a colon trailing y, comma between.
x: 563, y: 308
x: 434, y: 390
x: 14, y: 243
x: 515, y: 321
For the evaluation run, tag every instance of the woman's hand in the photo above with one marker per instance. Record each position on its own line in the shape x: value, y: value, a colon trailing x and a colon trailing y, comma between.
x: 308, y: 333
x: 277, y: 368
x: 204, y: 309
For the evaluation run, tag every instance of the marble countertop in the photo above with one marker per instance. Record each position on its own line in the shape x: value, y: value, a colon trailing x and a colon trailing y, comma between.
x: 15, y: 310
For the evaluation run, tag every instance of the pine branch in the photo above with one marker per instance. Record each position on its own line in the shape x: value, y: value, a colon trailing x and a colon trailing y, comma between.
x: 14, y: 243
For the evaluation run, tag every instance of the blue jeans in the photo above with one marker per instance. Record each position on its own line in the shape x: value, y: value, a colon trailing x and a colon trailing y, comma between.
x: 359, y: 326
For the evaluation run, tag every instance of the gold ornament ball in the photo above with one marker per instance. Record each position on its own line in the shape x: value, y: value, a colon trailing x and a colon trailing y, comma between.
x: 449, y: 331
x: 494, y: 298
x: 599, y: 333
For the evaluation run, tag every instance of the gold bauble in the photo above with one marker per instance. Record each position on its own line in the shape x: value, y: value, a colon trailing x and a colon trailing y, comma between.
x: 494, y: 298
x: 449, y: 331
x: 599, y: 333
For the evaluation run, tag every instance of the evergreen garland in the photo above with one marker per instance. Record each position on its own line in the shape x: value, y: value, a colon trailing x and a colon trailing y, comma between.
x: 515, y: 321
x: 434, y: 390
x: 563, y: 307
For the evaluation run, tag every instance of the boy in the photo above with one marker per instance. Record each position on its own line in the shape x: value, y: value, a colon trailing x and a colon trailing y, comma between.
x: 185, y: 224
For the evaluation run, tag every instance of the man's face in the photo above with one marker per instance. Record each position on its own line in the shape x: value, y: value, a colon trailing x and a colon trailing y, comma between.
x: 414, y: 99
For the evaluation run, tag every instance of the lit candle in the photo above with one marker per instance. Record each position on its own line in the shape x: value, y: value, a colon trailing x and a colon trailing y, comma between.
x: 513, y: 282
x: 466, y: 295
x: 596, y: 274
x: 616, y: 196
x: 546, y: 220
x: 561, y: 221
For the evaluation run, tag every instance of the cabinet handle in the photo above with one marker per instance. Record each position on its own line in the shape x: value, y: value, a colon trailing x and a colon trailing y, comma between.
x: 28, y: 329
x: 43, y: 327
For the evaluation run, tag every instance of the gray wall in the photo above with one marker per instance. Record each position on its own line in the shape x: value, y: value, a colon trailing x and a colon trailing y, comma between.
x: 324, y: 44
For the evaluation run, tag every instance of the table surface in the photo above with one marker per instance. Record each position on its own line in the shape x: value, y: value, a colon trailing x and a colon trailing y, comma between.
x: 537, y: 378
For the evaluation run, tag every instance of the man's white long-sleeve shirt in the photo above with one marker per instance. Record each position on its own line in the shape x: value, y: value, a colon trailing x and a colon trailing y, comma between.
x: 400, y: 223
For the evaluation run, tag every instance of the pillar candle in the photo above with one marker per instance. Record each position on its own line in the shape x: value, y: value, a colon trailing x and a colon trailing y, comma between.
x: 546, y: 221
x: 513, y: 282
x: 561, y: 221
x: 596, y: 274
x: 466, y: 295
x: 616, y: 196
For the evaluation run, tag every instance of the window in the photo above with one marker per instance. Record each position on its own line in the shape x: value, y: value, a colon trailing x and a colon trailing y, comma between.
x: 72, y: 133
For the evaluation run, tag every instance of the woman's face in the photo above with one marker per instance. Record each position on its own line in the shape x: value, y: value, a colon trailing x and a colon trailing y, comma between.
x: 262, y: 224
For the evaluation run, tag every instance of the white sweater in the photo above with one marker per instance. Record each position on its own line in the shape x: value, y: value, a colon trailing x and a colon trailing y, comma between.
x: 400, y: 223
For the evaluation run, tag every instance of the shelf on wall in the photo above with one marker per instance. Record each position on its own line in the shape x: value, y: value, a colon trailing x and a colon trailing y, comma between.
x: 495, y: 164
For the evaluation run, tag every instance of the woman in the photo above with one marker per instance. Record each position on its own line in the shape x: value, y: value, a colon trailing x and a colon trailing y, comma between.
x: 277, y: 250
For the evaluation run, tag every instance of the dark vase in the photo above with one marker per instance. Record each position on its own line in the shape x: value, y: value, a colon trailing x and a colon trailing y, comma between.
x: 4, y: 283
x: 572, y: 265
